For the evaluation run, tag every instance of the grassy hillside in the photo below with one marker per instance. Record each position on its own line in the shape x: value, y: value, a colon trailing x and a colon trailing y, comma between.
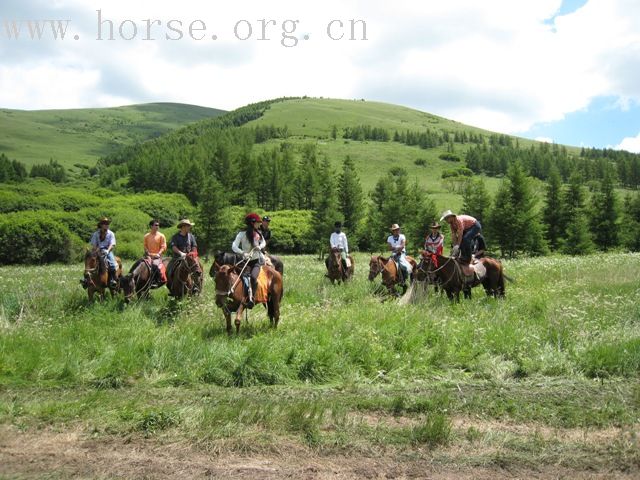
x: 84, y: 135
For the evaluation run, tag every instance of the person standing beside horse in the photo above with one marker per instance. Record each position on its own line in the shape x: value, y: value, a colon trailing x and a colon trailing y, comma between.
x: 338, y: 242
x: 397, y: 244
x: 103, y: 241
x: 155, y: 244
x: 249, y: 243
x: 464, y: 229
x: 182, y: 244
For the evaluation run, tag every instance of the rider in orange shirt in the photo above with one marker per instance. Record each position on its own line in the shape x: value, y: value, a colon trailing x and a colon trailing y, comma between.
x: 155, y: 244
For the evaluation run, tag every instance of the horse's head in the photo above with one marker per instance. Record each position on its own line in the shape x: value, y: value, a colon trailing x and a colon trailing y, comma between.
x: 376, y: 264
x: 224, y: 279
x: 91, y: 263
x: 424, y: 266
x: 128, y: 286
x: 335, y: 262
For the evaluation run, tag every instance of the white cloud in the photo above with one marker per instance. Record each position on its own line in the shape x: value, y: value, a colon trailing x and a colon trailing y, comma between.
x: 495, y: 64
x: 630, y: 144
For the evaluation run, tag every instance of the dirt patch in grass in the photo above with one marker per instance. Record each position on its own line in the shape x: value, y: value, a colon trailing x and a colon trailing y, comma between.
x: 74, y: 454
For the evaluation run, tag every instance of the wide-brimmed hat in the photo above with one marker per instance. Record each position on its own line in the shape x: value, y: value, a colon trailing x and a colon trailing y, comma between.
x: 446, y: 214
x: 252, y: 217
x: 104, y: 220
x: 395, y: 226
x: 435, y: 225
x: 185, y: 221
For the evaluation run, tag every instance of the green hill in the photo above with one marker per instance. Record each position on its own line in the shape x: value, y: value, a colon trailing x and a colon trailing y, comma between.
x: 84, y: 135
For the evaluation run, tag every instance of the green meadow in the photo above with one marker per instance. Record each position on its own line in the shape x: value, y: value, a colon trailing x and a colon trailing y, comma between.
x: 547, y: 378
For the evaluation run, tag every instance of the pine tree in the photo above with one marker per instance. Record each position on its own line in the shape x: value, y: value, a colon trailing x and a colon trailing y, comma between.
x: 604, y: 215
x: 213, y: 223
x: 552, y: 214
x: 476, y: 201
x: 350, y: 195
x: 577, y: 239
x: 631, y: 233
x: 421, y: 213
x: 326, y: 211
x: 514, y: 223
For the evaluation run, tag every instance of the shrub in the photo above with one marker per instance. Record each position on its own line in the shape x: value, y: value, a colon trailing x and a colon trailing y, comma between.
x: 449, y: 157
x: 36, y: 237
x: 421, y: 162
x: 292, y: 232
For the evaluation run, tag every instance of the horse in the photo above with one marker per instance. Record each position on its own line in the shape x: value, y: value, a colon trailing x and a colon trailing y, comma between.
x: 139, y: 281
x: 186, y: 276
x: 335, y: 269
x: 230, y: 296
x: 453, y: 279
x: 387, y: 267
x: 96, y: 275
x: 422, y: 273
x: 223, y: 258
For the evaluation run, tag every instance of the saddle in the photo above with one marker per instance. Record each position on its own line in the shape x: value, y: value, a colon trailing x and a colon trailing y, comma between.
x: 261, y: 295
x: 473, y: 272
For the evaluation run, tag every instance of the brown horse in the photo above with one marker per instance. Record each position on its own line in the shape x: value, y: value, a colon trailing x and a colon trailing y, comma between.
x: 140, y: 279
x: 387, y: 267
x: 186, y: 276
x: 453, y: 278
x: 230, y: 296
x: 96, y: 275
x: 335, y: 270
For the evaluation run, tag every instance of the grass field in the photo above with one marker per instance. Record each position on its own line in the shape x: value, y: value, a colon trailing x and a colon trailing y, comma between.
x: 544, y: 383
x: 84, y: 135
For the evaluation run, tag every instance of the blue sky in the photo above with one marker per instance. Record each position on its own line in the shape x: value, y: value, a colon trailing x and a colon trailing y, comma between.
x: 562, y: 70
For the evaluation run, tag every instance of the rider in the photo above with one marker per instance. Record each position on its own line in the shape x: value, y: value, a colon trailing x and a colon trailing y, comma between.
x: 338, y: 241
x: 479, y: 246
x: 155, y: 244
x: 464, y: 229
x: 249, y: 243
x: 264, y: 228
x: 103, y: 241
x: 434, y: 241
x: 182, y: 243
x: 397, y: 244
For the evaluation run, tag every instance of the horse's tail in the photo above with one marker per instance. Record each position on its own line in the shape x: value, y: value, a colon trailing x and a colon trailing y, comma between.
x: 508, y: 278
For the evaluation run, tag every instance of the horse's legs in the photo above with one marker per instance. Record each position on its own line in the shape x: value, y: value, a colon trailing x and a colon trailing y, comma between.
x: 467, y: 292
x: 227, y: 317
x: 500, y: 290
x: 239, y: 317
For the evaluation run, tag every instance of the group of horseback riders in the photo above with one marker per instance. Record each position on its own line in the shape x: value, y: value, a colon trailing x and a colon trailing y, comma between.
x: 466, y: 237
x: 249, y: 247
x: 249, y: 243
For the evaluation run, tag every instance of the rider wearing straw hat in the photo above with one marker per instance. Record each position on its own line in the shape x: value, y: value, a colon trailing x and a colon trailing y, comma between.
x: 182, y: 243
x: 464, y: 229
x: 104, y: 241
x: 249, y: 243
x: 397, y: 244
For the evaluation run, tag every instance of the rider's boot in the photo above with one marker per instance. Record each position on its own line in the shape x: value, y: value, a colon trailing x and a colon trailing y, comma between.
x: 112, y: 279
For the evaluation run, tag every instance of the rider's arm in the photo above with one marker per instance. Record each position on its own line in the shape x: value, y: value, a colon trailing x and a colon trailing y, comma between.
x: 346, y: 244
x: 236, y: 245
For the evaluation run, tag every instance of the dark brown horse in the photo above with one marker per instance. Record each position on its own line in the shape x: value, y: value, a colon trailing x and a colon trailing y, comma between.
x: 455, y: 278
x: 186, y: 276
x: 96, y: 275
x: 230, y: 296
x: 140, y: 279
x: 335, y: 269
x: 389, y: 270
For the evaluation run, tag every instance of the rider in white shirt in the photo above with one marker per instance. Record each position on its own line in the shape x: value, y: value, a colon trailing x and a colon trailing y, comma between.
x: 338, y: 241
x: 397, y: 244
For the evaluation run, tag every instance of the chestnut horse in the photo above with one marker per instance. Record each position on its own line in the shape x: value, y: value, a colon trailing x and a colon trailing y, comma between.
x: 387, y: 267
x: 96, y: 275
x: 186, y: 276
x: 335, y: 270
x: 450, y: 274
x: 230, y: 296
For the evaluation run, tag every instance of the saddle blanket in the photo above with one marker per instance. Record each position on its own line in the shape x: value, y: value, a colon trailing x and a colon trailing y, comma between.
x: 476, y: 268
x: 262, y: 290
